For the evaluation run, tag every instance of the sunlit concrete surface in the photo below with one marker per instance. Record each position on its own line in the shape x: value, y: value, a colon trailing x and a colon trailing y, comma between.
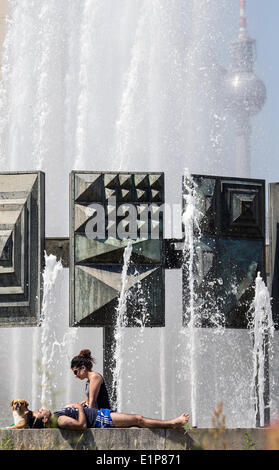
x: 134, y: 439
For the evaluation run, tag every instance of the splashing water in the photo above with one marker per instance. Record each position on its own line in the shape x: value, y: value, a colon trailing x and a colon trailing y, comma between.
x: 196, y: 310
x: 136, y: 342
x: 52, y: 270
x: 121, y: 322
x: 190, y: 220
x: 46, y: 344
x: 262, y: 331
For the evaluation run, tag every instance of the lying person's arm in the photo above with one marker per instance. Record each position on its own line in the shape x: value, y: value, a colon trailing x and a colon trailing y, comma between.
x: 80, y: 424
x: 72, y: 405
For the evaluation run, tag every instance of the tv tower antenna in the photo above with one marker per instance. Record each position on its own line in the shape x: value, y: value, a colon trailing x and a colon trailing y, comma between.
x: 242, y: 20
x: 245, y: 92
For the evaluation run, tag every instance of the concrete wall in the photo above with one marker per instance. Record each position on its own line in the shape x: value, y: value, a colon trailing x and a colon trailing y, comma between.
x: 133, y: 438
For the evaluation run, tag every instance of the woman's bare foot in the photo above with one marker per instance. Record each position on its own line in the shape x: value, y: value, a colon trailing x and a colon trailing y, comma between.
x: 180, y: 421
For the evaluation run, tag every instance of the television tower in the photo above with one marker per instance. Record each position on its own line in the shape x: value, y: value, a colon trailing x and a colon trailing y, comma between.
x: 245, y: 93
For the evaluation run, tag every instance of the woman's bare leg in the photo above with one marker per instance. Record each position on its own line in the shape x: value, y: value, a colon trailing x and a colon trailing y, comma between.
x: 124, y: 420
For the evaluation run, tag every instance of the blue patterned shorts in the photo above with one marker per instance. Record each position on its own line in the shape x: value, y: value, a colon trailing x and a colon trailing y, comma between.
x: 103, y: 419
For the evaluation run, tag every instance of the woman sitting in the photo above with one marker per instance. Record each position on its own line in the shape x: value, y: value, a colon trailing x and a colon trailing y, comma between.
x: 95, y: 389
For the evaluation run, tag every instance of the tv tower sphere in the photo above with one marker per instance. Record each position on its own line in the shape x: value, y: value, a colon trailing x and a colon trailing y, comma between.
x: 245, y: 92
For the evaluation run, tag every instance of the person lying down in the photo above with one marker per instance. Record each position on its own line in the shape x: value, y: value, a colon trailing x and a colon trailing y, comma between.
x: 78, y: 417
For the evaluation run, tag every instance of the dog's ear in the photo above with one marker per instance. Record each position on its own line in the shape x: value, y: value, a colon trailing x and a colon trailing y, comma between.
x: 12, y: 403
x: 25, y: 403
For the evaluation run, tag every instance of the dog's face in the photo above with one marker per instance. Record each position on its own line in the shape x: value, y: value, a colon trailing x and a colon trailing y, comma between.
x: 19, y: 405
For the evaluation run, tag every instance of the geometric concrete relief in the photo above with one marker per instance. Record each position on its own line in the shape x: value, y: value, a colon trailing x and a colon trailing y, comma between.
x: 229, y: 249
x: 21, y: 247
x: 108, y: 210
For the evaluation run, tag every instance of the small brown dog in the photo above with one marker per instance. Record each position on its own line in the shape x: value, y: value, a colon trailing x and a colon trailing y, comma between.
x: 20, y: 412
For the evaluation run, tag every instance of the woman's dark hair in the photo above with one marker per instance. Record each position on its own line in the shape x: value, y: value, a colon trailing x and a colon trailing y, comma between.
x: 36, y: 423
x: 83, y: 359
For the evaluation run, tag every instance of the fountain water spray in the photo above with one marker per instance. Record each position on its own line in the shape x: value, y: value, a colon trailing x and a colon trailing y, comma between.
x: 45, y: 341
x: 50, y: 274
x: 143, y: 95
x: 201, y: 304
x: 262, y: 330
x: 136, y: 342
x: 121, y: 322
x: 190, y: 219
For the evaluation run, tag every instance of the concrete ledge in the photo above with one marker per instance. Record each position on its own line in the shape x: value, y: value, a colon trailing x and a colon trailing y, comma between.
x: 133, y: 438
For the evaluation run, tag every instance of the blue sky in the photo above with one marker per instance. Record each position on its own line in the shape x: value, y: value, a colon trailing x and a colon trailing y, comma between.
x: 262, y: 17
